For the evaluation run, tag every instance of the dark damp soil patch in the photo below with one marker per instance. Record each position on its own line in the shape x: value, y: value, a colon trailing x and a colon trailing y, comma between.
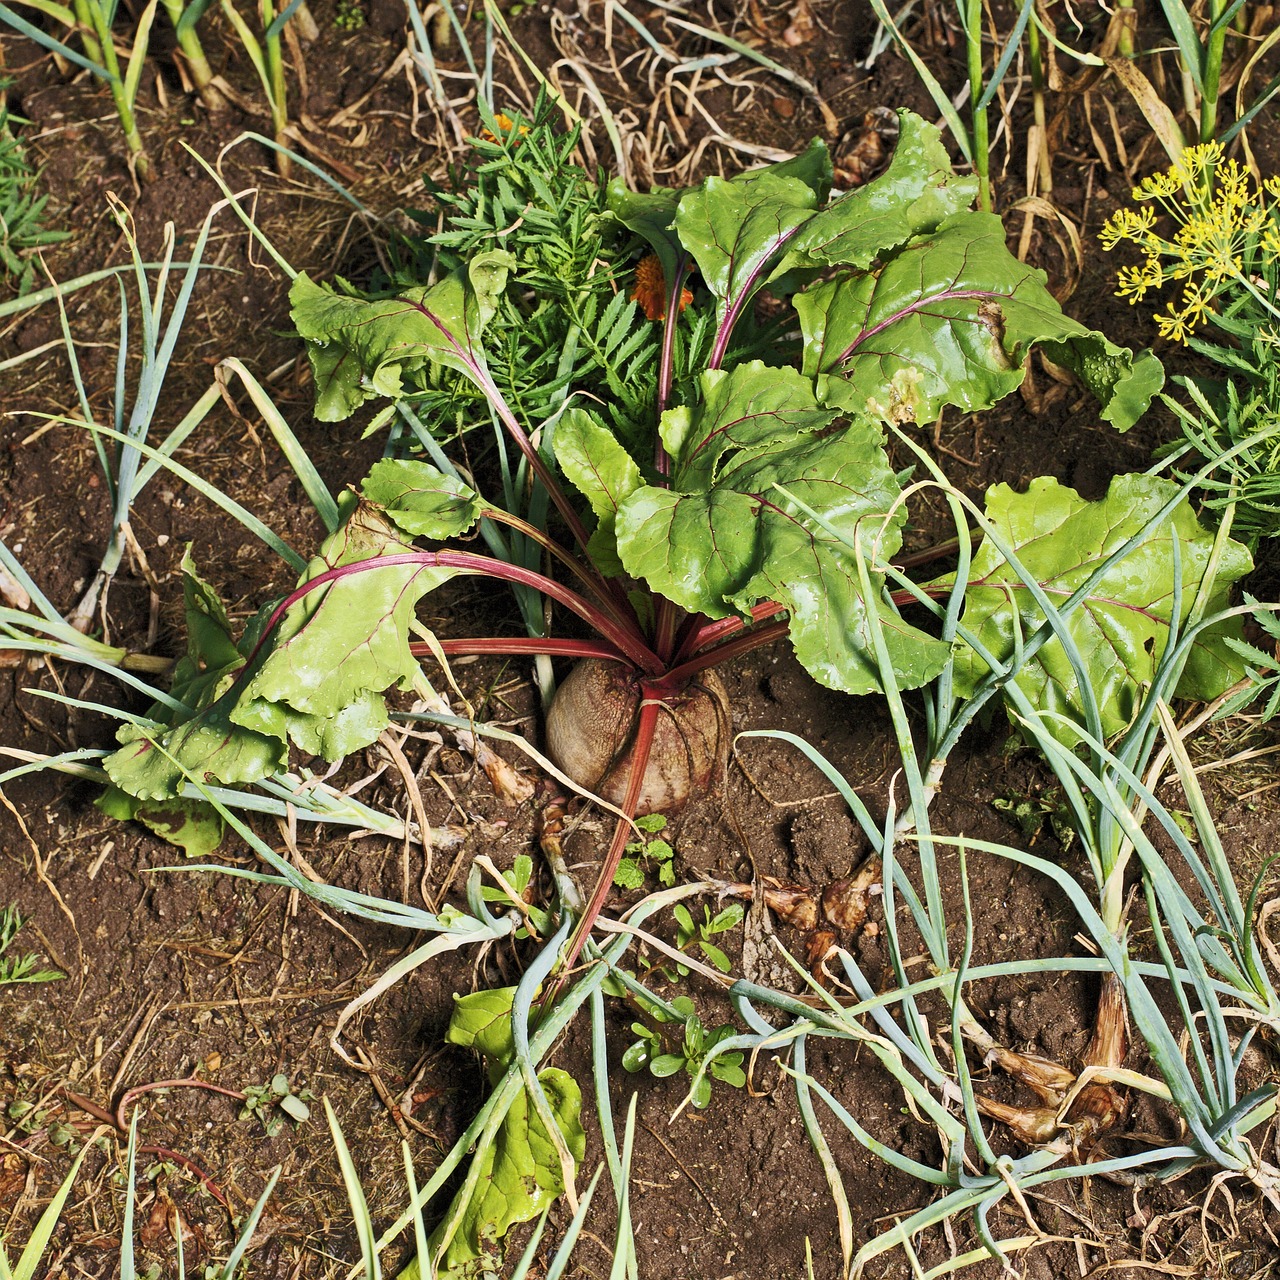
x: 173, y: 974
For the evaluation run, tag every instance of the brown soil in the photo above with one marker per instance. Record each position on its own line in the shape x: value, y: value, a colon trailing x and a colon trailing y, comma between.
x: 170, y: 975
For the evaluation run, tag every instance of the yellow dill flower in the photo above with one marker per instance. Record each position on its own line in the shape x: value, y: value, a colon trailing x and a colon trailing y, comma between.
x: 1226, y: 238
x: 1200, y: 160
x: 1127, y: 224
x: 1133, y: 282
x: 1177, y: 323
x: 1159, y: 185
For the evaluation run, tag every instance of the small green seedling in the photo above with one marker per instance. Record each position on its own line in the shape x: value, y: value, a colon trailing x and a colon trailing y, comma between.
x: 631, y: 869
x: 350, y: 16
x: 691, y: 935
x: 689, y: 1055
x: 272, y: 1102
x: 694, y: 935
x: 1032, y: 813
x: 519, y: 878
x: 18, y: 968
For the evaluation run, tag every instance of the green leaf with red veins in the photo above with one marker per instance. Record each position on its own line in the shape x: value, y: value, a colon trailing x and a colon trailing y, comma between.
x: 421, y: 500
x: 361, y: 350
x: 339, y: 647
x: 949, y: 320
x: 724, y: 537
x: 652, y: 215
x: 603, y: 472
x: 913, y: 195
x: 736, y: 229
x: 1122, y: 627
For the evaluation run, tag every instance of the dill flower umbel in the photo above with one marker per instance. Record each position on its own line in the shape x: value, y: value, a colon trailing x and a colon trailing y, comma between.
x: 1225, y: 246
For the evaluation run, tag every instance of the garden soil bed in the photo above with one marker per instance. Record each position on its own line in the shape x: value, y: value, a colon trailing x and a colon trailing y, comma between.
x: 173, y: 974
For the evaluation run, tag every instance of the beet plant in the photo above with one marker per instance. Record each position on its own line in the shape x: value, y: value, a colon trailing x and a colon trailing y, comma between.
x: 684, y: 475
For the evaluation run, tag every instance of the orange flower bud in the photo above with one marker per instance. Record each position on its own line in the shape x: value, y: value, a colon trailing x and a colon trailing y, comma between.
x: 650, y: 289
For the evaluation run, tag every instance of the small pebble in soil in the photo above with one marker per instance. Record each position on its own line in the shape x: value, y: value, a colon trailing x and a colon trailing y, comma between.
x: 784, y: 107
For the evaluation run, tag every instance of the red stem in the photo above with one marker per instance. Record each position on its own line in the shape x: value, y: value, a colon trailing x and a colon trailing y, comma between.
x: 679, y: 676
x: 588, y: 577
x: 467, y: 563
x: 713, y: 632
x: 188, y: 1082
x: 666, y: 359
x: 646, y: 722
x: 517, y: 645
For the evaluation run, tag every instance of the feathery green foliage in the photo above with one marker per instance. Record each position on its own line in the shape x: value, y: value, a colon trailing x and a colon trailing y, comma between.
x: 22, y: 229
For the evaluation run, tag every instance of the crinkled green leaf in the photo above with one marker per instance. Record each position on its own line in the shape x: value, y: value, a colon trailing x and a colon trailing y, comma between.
x: 317, y: 680
x: 193, y: 826
x: 520, y: 1173
x: 203, y: 739
x: 520, y: 1176
x: 603, y: 472
x: 1122, y: 627
x: 362, y: 350
x: 948, y: 320
x: 812, y: 166
x: 724, y: 536
x: 913, y: 195
x: 338, y: 648
x: 421, y: 500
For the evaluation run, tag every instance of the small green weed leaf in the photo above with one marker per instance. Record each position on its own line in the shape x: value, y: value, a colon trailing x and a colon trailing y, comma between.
x: 666, y: 1064
x: 629, y: 874
x: 1122, y: 627
x: 734, y: 230
x: 338, y: 648
x: 19, y: 968
x: 294, y: 1108
x: 603, y: 472
x: 193, y: 826
x: 421, y: 500
x: 361, y: 349
x: 724, y: 537
x: 729, y: 1069
x: 729, y: 918
x: 949, y: 320
x: 636, y: 1057
x: 913, y: 195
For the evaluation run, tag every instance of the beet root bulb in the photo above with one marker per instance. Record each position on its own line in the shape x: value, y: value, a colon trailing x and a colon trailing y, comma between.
x: 591, y: 731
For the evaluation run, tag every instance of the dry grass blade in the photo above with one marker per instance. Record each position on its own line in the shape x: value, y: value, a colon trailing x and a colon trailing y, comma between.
x: 1153, y: 107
